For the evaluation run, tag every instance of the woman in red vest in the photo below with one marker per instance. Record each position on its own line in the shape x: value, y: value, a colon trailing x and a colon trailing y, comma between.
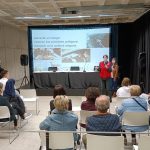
x: 105, y: 75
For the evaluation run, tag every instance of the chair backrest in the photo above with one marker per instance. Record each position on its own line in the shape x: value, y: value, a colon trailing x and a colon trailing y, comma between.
x: 94, y: 142
x: 135, y: 118
x: 84, y: 114
x: 57, y: 140
x: 28, y: 93
x: 144, y: 143
x: 4, y: 112
x: 119, y: 100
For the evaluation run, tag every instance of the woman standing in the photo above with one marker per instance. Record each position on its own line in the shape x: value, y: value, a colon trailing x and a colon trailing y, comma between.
x: 114, y: 76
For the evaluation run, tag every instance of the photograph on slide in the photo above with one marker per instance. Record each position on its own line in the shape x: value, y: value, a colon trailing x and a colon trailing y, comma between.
x: 79, y: 55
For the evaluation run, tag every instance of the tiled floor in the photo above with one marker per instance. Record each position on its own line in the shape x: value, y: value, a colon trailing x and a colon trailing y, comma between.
x: 31, y: 140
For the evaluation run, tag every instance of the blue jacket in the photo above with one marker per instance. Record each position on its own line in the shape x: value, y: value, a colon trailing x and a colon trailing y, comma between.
x: 60, y: 121
x: 130, y: 105
x: 10, y: 88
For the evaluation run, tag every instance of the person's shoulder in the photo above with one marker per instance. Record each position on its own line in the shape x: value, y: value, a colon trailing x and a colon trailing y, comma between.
x: 72, y: 116
x: 127, y: 101
x: 121, y: 88
x: 84, y: 103
x: 142, y: 99
x: 52, y: 101
x: 91, y: 118
x: 114, y: 116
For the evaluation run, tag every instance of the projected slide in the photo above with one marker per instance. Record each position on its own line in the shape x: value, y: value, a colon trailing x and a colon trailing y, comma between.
x: 69, y: 47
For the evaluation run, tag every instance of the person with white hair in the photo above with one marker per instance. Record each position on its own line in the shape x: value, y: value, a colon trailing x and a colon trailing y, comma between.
x: 102, y: 121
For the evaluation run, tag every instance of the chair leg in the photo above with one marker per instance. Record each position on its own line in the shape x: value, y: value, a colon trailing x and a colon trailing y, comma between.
x: 20, y: 122
x: 37, y: 107
x: 10, y: 141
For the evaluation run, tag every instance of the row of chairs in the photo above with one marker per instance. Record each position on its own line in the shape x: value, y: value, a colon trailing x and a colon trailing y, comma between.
x: 6, y: 120
x: 129, y: 118
x: 64, y: 140
x: 27, y: 95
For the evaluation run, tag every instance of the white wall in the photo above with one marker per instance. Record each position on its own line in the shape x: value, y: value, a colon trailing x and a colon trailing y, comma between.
x: 13, y: 43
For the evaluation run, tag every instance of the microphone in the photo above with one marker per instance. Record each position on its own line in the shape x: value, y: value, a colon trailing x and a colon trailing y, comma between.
x: 105, y: 62
x: 84, y: 66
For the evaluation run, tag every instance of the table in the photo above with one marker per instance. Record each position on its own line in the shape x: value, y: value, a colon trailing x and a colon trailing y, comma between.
x: 70, y: 80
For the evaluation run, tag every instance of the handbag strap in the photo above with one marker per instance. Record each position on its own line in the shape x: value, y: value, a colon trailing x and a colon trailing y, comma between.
x: 139, y: 104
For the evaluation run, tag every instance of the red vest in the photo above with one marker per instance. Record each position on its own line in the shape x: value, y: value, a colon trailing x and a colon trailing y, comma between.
x: 105, y: 73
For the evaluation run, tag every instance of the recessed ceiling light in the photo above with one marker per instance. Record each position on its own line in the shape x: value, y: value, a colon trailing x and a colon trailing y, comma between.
x: 72, y: 17
x: 46, y: 17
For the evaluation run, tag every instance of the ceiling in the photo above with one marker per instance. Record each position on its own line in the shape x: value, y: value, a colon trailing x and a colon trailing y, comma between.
x: 23, y: 13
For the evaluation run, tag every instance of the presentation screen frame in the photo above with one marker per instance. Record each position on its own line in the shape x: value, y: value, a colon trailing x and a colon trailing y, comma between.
x: 62, y: 27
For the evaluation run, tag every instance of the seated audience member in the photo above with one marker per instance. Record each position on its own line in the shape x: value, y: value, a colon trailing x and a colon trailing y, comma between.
x: 1, y: 69
x: 124, y: 91
x: 133, y: 104
x: 102, y: 121
x: 4, y: 101
x: 4, y: 78
x: 59, y: 90
x: 14, y: 99
x: 61, y: 119
x: 146, y: 97
x: 91, y: 94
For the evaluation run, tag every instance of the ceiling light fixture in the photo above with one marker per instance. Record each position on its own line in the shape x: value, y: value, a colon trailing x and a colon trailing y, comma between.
x: 74, y: 17
x: 46, y: 17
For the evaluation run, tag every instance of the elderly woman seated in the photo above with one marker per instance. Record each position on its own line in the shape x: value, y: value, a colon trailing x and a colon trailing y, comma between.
x: 60, y: 119
x: 133, y: 104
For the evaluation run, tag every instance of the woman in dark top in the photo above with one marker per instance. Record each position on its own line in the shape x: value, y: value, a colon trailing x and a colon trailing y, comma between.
x: 91, y: 94
x: 59, y: 90
x: 4, y: 101
x: 14, y: 99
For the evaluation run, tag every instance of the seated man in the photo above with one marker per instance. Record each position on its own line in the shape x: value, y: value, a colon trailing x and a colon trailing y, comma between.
x: 102, y: 121
x: 60, y: 119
